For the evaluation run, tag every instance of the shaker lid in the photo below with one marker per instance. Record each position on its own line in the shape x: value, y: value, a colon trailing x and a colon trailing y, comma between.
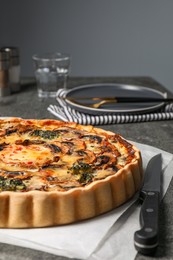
x: 4, y: 60
x: 4, y: 56
x: 13, y: 51
x: 13, y: 54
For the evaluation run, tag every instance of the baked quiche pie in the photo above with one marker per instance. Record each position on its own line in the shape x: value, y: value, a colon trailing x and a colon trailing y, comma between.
x: 54, y: 173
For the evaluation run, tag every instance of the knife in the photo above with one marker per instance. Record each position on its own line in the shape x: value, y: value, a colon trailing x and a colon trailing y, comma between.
x: 146, y: 239
x: 121, y: 99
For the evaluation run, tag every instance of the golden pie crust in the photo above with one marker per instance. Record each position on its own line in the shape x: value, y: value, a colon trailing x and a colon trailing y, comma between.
x: 54, y: 173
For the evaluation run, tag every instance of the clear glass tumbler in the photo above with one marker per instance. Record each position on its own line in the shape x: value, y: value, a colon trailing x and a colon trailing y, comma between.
x: 51, y: 72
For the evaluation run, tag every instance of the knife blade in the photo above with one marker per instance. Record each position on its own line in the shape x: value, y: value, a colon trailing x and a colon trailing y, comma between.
x: 121, y: 99
x: 146, y: 239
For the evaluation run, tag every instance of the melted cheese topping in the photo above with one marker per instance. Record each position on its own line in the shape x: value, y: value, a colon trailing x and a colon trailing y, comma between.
x: 31, y: 156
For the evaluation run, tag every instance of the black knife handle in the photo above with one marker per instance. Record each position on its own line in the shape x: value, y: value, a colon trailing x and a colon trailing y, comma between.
x: 146, y: 239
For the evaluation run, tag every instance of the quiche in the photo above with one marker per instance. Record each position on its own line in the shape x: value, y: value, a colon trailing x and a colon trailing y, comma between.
x: 54, y: 173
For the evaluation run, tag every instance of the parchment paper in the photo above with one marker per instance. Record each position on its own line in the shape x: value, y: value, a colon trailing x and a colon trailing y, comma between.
x: 109, y: 236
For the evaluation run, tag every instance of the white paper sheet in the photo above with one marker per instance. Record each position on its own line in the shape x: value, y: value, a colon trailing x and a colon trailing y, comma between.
x: 105, y: 237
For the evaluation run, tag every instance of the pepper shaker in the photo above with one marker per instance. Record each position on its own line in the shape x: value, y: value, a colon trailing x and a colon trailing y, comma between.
x: 14, y: 69
x: 4, y: 73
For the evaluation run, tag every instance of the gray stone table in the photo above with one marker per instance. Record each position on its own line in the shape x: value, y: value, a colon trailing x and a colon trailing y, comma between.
x: 26, y: 104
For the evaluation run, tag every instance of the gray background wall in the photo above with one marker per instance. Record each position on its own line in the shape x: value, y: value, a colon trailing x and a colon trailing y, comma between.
x: 104, y: 37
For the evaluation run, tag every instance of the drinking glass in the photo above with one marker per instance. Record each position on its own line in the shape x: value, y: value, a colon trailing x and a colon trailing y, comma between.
x: 51, y: 72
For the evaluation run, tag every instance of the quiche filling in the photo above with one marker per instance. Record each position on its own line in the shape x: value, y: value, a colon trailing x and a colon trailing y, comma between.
x: 59, y: 158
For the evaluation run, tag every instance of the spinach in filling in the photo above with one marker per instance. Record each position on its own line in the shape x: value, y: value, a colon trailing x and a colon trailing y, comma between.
x: 45, y: 134
x: 11, y: 184
x: 82, y: 171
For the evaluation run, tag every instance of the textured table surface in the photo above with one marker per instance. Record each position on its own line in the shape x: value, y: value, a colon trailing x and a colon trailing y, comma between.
x: 26, y: 104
